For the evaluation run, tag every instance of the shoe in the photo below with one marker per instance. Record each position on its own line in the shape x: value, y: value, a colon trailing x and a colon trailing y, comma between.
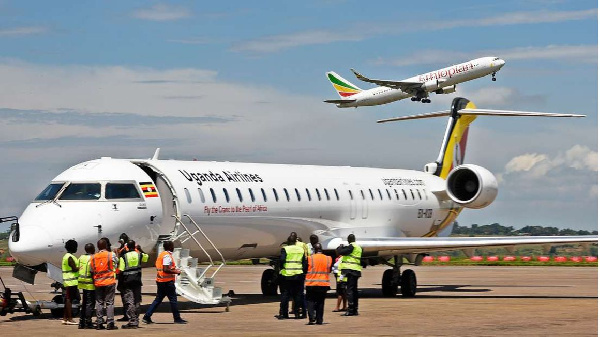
x: 123, y: 319
x: 81, y: 326
x: 111, y: 326
x: 319, y: 323
x: 70, y: 323
x: 100, y: 327
x: 129, y: 326
x: 180, y: 321
x: 282, y: 316
x: 311, y: 323
x: 147, y: 320
x: 90, y: 325
x: 338, y: 310
x: 349, y: 313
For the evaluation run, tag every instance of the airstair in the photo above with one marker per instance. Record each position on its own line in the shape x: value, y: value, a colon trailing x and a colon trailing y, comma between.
x: 196, y: 282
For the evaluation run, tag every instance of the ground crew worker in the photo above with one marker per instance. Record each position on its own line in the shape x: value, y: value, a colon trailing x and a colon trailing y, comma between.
x: 302, y: 308
x: 165, y: 284
x: 123, y: 239
x: 130, y: 266
x: 103, y: 267
x: 314, y: 239
x: 86, y: 284
x: 70, y: 274
x: 351, y: 269
x: 317, y: 284
x: 293, y: 267
x: 340, y: 286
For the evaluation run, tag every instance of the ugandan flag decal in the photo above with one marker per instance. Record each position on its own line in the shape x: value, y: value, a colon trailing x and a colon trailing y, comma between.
x: 149, y: 190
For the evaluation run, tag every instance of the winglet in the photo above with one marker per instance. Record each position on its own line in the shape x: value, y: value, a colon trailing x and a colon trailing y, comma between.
x: 358, y: 75
x: 156, y: 153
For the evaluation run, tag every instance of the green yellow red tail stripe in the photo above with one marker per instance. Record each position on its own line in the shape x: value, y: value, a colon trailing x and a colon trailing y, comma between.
x: 342, y: 86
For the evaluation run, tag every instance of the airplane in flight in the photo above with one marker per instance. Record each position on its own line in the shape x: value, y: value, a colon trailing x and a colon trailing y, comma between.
x: 230, y: 211
x: 441, y: 81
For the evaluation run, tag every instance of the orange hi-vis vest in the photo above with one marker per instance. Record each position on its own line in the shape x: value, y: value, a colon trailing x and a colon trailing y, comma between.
x: 161, y: 276
x: 103, y: 269
x: 319, y: 267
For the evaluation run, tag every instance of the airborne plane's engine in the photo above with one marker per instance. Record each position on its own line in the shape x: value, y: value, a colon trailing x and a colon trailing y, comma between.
x: 471, y: 186
x: 433, y: 85
x: 446, y: 90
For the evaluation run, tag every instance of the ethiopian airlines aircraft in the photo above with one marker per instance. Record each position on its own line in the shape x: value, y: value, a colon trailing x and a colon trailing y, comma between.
x: 442, y: 81
x: 231, y: 211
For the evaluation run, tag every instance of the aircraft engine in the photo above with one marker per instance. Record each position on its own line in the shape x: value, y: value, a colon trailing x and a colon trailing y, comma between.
x: 446, y: 90
x: 471, y: 186
x: 433, y: 85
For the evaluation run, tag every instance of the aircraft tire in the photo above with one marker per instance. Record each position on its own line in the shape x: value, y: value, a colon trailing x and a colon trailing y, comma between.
x: 388, y: 287
x: 268, y: 283
x: 408, y: 283
x: 58, y: 312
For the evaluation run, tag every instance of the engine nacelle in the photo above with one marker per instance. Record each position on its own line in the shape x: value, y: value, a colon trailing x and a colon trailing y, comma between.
x: 446, y: 90
x: 433, y: 85
x: 472, y: 186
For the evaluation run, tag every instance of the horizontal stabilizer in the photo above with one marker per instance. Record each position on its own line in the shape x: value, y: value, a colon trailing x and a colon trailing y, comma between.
x: 479, y: 112
x: 339, y: 101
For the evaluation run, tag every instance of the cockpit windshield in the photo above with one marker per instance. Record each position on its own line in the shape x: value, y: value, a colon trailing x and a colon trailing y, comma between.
x: 496, y: 58
x: 81, y: 191
x: 49, y: 192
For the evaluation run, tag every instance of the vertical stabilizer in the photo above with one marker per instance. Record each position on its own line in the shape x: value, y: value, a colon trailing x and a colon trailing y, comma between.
x: 454, y: 146
x: 344, y: 88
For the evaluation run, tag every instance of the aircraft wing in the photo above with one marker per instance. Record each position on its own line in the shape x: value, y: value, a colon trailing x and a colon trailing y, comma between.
x: 403, y: 85
x: 404, y: 245
x: 339, y: 101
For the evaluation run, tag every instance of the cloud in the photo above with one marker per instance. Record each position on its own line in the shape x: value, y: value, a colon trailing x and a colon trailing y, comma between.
x: 524, y: 162
x: 567, y: 53
x: 504, y: 97
x: 162, y: 12
x: 276, y: 43
x: 362, y: 31
x: 537, y: 166
x: 22, y: 31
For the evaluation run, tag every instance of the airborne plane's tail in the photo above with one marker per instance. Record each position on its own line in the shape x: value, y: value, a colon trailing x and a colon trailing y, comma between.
x: 343, y: 87
x: 462, y: 113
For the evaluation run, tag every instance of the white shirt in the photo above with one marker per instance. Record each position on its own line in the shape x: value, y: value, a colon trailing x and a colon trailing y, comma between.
x: 167, y: 260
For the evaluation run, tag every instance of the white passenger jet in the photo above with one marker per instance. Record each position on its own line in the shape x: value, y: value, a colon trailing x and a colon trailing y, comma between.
x: 441, y: 81
x: 247, y: 210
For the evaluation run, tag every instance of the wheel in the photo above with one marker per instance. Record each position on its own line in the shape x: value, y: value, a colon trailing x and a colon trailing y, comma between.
x: 268, y: 283
x: 58, y: 312
x: 388, y: 287
x: 494, y: 79
x: 408, y: 283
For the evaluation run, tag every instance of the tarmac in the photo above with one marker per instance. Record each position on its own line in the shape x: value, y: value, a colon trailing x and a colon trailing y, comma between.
x: 450, y: 301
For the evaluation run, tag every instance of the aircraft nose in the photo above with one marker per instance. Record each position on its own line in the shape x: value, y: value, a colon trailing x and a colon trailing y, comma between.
x: 33, y: 246
x: 500, y: 63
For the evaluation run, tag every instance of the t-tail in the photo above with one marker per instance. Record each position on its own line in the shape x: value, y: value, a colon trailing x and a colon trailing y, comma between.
x: 344, y: 88
x: 454, y: 144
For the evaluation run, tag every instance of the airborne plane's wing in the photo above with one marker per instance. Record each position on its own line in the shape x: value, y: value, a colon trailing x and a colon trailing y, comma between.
x: 403, y: 85
x: 403, y: 245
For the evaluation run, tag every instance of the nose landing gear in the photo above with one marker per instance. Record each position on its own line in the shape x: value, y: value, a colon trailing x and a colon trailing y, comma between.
x: 494, y: 76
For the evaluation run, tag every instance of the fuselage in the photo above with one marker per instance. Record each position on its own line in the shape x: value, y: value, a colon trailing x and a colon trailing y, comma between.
x: 446, y: 77
x: 246, y: 209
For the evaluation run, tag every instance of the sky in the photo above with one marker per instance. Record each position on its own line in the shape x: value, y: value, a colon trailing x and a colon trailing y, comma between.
x: 245, y: 81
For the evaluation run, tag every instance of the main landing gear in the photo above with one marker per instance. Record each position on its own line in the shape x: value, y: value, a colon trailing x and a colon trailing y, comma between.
x: 392, y: 279
x: 269, y: 281
x: 423, y: 100
x: 494, y: 76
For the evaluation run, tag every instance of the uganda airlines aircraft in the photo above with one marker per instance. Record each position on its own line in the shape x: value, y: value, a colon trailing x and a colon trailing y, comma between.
x: 246, y: 210
x: 441, y: 81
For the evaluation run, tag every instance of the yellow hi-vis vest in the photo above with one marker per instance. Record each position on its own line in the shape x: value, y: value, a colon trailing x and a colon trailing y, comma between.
x: 85, y: 280
x: 352, y: 261
x: 293, y: 260
x: 69, y: 276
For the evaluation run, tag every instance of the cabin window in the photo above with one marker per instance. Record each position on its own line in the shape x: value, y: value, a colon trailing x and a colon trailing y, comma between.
x: 81, y: 191
x: 121, y: 191
x: 351, y: 196
x: 298, y: 194
x: 226, y: 194
x: 239, y: 193
x: 397, y: 196
x: 371, y: 193
x: 213, y: 194
x: 264, y: 194
x: 362, y: 193
x: 380, y: 195
x: 49, y: 192
x: 318, y: 194
x: 251, y: 195
x: 287, y: 194
x: 412, y: 194
x: 337, y: 196
x: 419, y: 193
x: 188, y: 196
x: 425, y: 194
x: 276, y: 195
x: 201, y: 194
x: 308, y: 194
x: 326, y: 194
x: 405, y: 196
x: 388, y: 193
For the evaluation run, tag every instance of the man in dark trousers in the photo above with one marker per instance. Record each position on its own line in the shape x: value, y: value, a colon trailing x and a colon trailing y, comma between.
x: 351, y: 269
x: 70, y: 274
x: 103, y: 265
x: 86, y: 284
x: 317, y: 284
x: 293, y: 267
x: 130, y: 267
